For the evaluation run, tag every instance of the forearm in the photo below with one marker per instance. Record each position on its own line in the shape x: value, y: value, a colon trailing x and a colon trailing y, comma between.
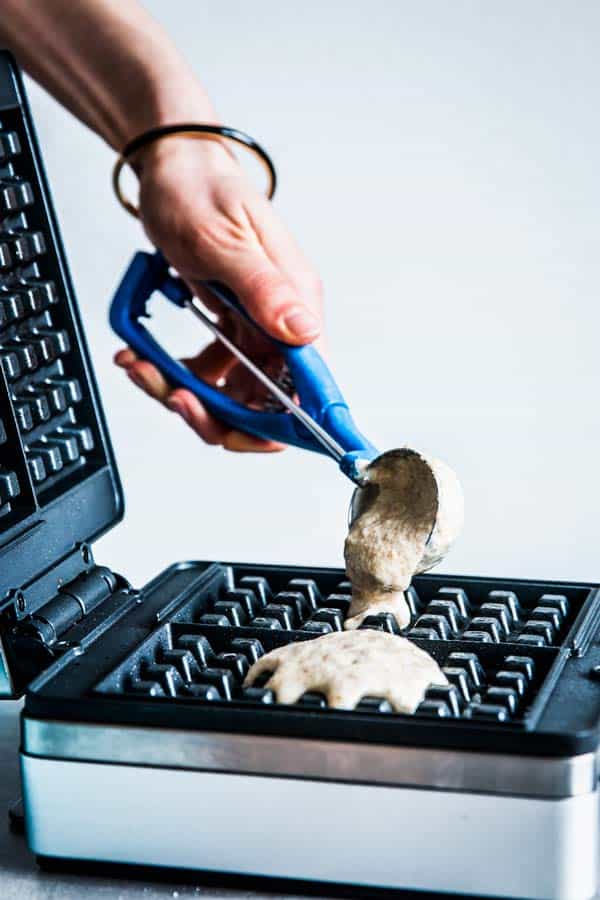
x: 107, y: 61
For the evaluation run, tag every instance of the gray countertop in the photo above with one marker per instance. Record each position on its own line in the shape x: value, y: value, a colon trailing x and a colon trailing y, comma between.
x: 20, y: 878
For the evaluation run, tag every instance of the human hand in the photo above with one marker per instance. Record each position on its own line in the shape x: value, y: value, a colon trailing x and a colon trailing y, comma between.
x: 210, y: 223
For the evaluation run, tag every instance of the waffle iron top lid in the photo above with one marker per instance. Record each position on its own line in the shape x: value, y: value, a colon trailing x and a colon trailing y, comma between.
x: 59, y: 486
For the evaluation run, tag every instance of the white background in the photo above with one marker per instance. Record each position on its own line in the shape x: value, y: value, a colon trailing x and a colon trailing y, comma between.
x: 438, y: 162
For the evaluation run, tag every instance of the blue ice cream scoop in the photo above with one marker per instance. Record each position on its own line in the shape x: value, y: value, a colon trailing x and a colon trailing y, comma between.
x: 317, y: 418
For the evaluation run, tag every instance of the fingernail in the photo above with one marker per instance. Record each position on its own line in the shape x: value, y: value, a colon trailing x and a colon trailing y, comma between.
x: 301, y: 323
x: 180, y: 408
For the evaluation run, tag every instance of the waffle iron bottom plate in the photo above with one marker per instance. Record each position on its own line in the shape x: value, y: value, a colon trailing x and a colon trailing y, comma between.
x: 141, y: 746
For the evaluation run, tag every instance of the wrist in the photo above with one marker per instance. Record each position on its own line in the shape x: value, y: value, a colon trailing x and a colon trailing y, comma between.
x: 214, y: 157
x: 153, y: 99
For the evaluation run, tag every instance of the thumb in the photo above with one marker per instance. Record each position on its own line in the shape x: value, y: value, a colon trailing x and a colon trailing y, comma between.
x: 273, y: 301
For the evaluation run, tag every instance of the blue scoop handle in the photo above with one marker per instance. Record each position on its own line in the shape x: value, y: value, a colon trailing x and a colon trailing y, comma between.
x: 318, y: 393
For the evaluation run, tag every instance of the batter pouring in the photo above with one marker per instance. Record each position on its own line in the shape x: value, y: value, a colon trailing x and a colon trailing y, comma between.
x: 405, y: 519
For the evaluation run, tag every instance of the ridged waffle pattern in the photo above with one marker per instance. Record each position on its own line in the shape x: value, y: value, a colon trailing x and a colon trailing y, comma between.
x: 494, y: 646
x: 43, y: 386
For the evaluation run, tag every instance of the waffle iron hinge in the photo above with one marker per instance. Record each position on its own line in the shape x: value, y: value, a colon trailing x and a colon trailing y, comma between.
x: 72, y: 602
x: 34, y: 641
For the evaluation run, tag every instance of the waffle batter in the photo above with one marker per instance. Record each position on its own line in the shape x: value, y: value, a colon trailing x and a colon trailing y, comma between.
x: 404, y: 520
x: 346, y: 666
x: 391, y: 537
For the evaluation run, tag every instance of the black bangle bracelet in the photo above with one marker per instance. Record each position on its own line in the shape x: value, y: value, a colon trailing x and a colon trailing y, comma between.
x: 189, y: 129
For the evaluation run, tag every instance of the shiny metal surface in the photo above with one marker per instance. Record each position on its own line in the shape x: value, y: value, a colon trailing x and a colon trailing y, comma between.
x: 21, y: 879
x: 6, y: 683
x: 453, y: 770
x: 356, y: 834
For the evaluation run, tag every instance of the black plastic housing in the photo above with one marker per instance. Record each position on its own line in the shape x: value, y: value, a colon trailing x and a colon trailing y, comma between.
x: 109, y: 682
x: 59, y: 486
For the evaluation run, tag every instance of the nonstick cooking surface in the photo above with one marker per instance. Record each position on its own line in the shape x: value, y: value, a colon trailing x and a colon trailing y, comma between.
x: 47, y: 426
x: 495, y: 645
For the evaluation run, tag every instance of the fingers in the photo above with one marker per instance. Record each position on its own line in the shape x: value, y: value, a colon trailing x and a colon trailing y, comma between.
x: 214, y: 432
x: 125, y: 357
x: 143, y: 374
x: 285, y: 296
x: 187, y: 405
x: 211, y: 364
x: 272, y: 300
x: 240, y: 442
x: 149, y: 379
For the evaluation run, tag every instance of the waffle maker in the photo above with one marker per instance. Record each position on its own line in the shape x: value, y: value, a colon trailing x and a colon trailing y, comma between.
x: 139, y: 744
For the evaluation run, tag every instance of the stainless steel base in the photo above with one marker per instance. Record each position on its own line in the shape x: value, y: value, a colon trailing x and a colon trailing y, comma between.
x: 356, y: 762
x: 385, y: 835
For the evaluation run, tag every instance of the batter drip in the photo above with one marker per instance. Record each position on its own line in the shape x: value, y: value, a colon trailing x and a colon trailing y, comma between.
x: 347, y: 666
